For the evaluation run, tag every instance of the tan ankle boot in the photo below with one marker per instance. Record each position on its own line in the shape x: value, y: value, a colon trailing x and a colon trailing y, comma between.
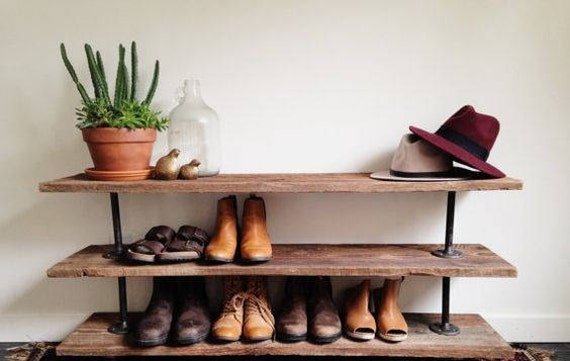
x: 255, y: 243
x: 359, y: 322
x: 223, y: 246
x: 258, y: 324
x: 391, y: 323
x: 228, y: 326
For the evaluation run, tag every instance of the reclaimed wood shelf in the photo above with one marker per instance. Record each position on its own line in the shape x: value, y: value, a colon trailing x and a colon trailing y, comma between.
x: 476, y: 340
x: 274, y: 183
x: 305, y: 259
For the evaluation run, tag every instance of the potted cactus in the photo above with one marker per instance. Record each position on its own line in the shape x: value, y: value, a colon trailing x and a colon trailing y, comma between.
x: 119, y: 131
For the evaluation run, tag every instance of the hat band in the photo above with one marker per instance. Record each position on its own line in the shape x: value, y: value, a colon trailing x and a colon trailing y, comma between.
x: 464, y: 142
x: 397, y: 173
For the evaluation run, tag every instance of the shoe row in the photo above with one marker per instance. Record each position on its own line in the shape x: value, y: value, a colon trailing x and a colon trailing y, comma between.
x: 178, y: 312
x: 163, y: 244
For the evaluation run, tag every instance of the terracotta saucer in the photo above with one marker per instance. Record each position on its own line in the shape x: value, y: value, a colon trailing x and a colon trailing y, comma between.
x: 120, y: 175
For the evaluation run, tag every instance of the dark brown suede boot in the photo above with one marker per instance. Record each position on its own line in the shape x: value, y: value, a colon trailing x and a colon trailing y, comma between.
x: 292, y: 323
x: 193, y: 318
x: 154, y: 326
x: 324, y: 324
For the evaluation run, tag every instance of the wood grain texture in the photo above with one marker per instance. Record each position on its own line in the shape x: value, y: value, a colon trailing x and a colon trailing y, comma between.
x: 274, y: 183
x: 305, y: 259
x: 477, y: 339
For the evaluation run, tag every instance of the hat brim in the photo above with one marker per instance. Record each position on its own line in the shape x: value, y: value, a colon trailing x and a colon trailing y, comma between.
x: 460, y: 154
x: 456, y: 174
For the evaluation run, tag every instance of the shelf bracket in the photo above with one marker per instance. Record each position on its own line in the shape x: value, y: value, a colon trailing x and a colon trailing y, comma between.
x: 121, y: 327
x: 445, y: 327
x: 449, y: 251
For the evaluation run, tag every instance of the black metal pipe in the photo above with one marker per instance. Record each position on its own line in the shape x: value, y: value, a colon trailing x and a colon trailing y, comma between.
x: 449, y: 251
x: 122, y: 327
x: 445, y: 327
x: 116, y: 214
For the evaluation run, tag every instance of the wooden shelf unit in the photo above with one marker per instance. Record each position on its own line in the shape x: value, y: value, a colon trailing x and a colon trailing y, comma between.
x: 477, y: 338
x: 306, y: 260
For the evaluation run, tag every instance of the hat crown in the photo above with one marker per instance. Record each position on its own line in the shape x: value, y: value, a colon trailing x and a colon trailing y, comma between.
x: 468, y: 128
x: 417, y: 156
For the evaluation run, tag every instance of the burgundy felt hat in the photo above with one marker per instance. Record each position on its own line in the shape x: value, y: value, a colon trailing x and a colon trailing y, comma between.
x: 468, y: 136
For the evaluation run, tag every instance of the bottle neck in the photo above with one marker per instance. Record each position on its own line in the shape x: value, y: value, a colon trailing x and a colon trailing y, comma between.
x: 192, y: 91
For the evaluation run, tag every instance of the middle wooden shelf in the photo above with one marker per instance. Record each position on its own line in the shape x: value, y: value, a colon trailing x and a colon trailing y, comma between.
x: 361, y: 260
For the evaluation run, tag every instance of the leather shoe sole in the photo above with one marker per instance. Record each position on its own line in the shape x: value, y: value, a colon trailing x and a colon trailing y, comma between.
x: 326, y: 339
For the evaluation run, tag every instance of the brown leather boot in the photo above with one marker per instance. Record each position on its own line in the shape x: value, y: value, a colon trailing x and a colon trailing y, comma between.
x: 223, y: 246
x: 359, y: 323
x: 258, y: 323
x: 292, y: 323
x: 228, y: 326
x: 391, y: 323
x: 255, y: 242
x: 154, y: 326
x: 324, y: 324
x: 192, y: 324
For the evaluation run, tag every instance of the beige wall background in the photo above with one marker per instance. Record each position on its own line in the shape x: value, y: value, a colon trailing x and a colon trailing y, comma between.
x: 300, y: 86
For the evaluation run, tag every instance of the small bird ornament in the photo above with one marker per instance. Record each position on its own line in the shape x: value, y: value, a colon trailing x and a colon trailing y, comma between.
x: 190, y: 170
x: 167, y: 167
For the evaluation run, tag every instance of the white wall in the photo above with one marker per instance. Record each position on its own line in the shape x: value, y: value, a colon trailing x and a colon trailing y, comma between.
x: 301, y: 86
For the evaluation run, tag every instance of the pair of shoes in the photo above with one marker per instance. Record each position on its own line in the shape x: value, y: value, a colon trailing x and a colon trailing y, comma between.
x: 246, y: 311
x: 162, y: 244
x: 359, y: 323
x: 255, y: 244
x: 309, y: 296
x: 391, y: 323
x: 182, y: 299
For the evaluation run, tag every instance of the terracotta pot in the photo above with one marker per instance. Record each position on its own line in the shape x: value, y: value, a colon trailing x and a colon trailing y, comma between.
x: 120, y: 149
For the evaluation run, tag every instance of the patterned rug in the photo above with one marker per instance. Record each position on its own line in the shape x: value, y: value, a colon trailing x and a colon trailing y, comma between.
x: 45, y: 352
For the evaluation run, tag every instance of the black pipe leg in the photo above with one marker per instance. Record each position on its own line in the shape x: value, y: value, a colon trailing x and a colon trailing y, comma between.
x: 121, y: 327
x: 449, y: 251
x: 445, y: 327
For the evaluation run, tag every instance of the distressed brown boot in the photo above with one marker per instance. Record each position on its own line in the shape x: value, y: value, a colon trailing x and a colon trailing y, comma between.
x: 154, y: 326
x: 359, y: 323
x: 193, y: 323
x: 228, y: 326
x: 324, y: 324
x: 292, y: 322
x: 255, y: 242
x: 223, y: 246
x: 258, y: 323
x: 391, y: 323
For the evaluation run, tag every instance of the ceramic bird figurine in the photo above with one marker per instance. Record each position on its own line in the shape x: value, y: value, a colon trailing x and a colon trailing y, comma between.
x: 167, y: 167
x: 190, y: 170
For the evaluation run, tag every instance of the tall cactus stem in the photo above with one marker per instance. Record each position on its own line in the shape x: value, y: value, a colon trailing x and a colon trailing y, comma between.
x: 94, y: 68
x: 154, y: 84
x: 71, y: 71
x: 102, y: 70
x: 134, y: 70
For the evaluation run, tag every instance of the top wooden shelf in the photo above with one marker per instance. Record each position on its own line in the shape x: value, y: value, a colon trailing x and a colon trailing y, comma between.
x: 274, y: 183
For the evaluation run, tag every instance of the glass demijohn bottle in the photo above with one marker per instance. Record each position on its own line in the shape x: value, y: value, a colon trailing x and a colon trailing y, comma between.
x: 194, y: 129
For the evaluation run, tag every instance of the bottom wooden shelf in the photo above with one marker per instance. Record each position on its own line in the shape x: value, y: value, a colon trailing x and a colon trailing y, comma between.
x: 477, y: 339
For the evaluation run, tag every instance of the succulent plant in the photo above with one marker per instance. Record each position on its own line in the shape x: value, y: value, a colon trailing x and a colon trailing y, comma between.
x: 124, y: 110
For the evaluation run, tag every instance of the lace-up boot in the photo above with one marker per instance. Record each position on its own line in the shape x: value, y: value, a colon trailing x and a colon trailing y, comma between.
x: 228, y: 326
x: 259, y: 323
x: 193, y: 322
x: 154, y: 326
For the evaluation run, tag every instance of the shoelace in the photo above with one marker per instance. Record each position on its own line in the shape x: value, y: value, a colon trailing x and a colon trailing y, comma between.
x: 258, y: 305
x: 233, y: 305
